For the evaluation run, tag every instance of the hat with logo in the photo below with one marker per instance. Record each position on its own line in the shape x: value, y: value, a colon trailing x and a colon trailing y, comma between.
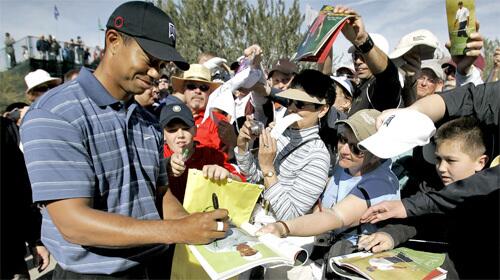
x: 435, y: 67
x: 362, y: 123
x: 400, y: 132
x: 197, y: 73
x: 283, y: 65
x: 176, y: 111
x: 423, y: 39
x: 153, y: 30
x: 40, y: 77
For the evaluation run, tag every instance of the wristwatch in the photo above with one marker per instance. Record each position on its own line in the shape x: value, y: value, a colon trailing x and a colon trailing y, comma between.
x: 366, y: 46
x: 269, y: 174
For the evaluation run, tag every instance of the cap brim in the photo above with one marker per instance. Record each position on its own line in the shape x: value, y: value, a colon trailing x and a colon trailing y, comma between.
x: 163, y: 51
x: 300, y: 95
x: 399, y: 52
x: 165, y: 121
x: 178, y: 83
x: 378, y: 145
x: 429, y: 152
x: 51, y: 81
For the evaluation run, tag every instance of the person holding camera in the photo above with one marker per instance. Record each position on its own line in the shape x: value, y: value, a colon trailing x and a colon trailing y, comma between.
x: 294, y: 167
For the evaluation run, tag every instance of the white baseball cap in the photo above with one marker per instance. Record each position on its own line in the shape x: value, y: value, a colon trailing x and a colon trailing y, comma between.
x: 39, y: 77
x: 400, y: 132
x: 344, y: 83
x: 422, y: 38
x: 378, y: 40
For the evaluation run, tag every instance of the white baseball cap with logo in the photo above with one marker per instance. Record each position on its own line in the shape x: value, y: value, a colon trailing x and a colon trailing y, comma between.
x: 423, y: 39
x: 400, y: 132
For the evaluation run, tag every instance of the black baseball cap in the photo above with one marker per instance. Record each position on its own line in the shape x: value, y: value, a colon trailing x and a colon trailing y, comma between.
x: 176, y: 111
x: 151, y: 28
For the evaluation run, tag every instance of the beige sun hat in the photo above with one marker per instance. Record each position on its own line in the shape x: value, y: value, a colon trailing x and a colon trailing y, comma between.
x: 196, y: 72
x: 40, y: 77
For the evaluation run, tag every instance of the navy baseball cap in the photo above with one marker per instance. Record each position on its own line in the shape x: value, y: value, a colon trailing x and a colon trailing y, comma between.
x: 176, y: 111
x: 153, y: 30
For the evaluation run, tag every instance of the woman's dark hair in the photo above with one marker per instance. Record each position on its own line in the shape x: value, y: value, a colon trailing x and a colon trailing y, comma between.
x: 316, y: 84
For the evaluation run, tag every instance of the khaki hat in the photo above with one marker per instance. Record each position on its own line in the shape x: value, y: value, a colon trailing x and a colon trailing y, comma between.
x: 284, y: 66
x: 196, y: 72
x: 300, y: 95
x: 423, y: 39
x: 40, y: 77
x: 362, y: 123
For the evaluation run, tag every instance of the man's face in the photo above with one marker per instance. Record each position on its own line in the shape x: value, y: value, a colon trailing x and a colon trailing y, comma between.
x: 350, y: 157
x: 280, y: 80
x: 148, y: 98
x: 134, y: 69
x: 427, y: 83
x: 453, y: 164
x: 178, y: 136
x: 163, y: 83
x: 196, y: 94
x: 360, y: 66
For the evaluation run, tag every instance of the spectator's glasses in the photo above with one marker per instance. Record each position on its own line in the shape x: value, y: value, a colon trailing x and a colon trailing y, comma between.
x: 353, y: 147
x: 202, y: 87
x: 301, y: 104
x: 356, y: 55
x: 158, y: 82
x: 424, y: 78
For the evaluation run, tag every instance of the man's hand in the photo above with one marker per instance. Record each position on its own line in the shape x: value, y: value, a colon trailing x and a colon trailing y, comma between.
x: 41, y: 257
x: 267, y: 150
x: 215, y: 172
x: 474, y: 46
x: 201, y: 228
x: 412, y: 64
x: 376, y: 242
x: 383, y: 211
x: 354, y: 30
x: 254, y: 53
x: 177, y: 166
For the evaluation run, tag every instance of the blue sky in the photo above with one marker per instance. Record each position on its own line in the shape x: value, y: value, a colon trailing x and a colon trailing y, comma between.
x: 392, y: 18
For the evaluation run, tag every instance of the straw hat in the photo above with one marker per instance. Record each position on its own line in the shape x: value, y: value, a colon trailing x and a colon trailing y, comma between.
x: 196, y: 72
x: 40, y: 77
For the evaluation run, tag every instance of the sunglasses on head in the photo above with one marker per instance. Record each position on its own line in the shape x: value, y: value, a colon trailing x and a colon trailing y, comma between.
x: 301, y: 104
x: 449, y: 70
x: 202, y: 87
x: 352, y: 146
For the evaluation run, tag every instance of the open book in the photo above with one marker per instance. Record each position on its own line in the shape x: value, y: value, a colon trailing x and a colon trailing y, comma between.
x: 399, y: 263
x: 322, y: 33
x: 241, y: 250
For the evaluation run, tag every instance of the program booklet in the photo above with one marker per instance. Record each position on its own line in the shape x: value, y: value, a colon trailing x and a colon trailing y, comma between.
x: 399, y: 263
x: 319, y: 39
x: 461, y: 16
x: 241, y: 250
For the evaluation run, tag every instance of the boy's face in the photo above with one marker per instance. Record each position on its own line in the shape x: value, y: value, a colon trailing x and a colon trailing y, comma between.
x: 178, y: 136
x: 453, y: 164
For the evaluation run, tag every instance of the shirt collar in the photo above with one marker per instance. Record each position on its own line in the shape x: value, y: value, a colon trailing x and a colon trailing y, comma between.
x: 94, y: 89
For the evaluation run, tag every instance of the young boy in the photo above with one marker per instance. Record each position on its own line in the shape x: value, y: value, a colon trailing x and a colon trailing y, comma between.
x: 179, y: 130
x: 460, y: 152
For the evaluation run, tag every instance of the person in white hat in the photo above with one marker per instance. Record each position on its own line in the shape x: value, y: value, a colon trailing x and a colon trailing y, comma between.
x: 412, y: 48
x: 38, y: 82
x: 431, y: 78
x: 379, y: 86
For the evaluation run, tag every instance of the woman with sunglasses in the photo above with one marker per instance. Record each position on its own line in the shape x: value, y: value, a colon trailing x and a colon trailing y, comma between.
x: 360, y: 179
x: 294, y: 168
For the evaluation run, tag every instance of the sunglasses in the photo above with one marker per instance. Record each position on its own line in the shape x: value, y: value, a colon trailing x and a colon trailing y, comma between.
x: 301, y: 104
x: 449, y: 71
x: 202, y: 87
x: 356, y: 55
x: 352, y: 146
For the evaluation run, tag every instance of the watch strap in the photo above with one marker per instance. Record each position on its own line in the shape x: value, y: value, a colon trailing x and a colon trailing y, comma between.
x: 366, y: 46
